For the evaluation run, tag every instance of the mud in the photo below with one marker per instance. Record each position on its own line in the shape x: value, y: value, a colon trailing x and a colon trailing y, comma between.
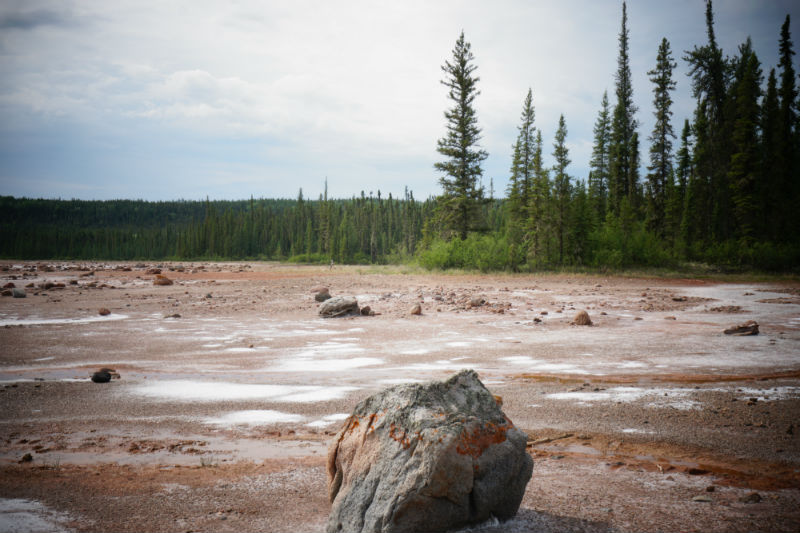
x: 222, y: 415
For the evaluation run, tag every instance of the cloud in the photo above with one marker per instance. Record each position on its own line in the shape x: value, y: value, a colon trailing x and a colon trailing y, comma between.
x: 28, y: 19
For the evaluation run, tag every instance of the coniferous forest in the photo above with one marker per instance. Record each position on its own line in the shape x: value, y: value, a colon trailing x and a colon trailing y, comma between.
x: 721, y: 189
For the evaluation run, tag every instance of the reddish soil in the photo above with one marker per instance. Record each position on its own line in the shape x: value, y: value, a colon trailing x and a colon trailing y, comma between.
x: 650, y: 419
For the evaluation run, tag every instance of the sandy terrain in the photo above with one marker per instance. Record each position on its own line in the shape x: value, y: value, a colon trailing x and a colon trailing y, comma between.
x: 231, y: 387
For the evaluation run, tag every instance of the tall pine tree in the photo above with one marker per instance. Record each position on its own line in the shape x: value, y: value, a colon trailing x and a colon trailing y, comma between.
x: 661, y: 139
x: 561, y: 185
x: 623, y: 170
x: 745, y: 160
x: 788, y: 178
x: 599, y: 164
x: 462, y: 195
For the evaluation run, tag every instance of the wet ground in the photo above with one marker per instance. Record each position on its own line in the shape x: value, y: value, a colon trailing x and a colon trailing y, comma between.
x: 231, y: 386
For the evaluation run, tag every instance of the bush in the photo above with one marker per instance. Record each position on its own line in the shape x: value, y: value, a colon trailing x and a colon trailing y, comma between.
x: 477, y: 252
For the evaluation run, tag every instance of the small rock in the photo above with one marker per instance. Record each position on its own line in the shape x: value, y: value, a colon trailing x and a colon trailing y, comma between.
x: 582, y: 319
x: 752, y: 497
x: 101, y: 377
x: 162, y: 280
x: 748, y: 328
x: 339, y: 306
x: 7, y: 292
x: 416, y: 309
x: 27, y: 458
x: 710, y: 488
x: 103, y: 311
x: 173, y: 315
x: 9, y: 285
x: 702, y: 498
x: 322, y: 295
x: 669, y: 318
x: 476, y: 302
x: 366, y: 311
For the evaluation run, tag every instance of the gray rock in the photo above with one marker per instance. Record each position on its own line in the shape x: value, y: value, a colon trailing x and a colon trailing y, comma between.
x: 18, y: 293
x: 322, y: 296
x: 339, y: 306
x: 426, y: 457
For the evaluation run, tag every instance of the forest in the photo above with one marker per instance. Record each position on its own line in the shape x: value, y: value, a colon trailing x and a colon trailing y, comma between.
x: 724, y: 193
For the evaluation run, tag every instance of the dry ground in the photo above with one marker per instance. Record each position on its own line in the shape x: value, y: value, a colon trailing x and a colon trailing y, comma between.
x: 221, y: 418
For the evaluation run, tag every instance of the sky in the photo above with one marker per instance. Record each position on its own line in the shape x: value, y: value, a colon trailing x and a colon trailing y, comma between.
x: 191, y: 99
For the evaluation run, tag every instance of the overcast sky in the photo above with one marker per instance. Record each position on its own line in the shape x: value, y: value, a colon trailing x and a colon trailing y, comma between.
x: 183, y: 100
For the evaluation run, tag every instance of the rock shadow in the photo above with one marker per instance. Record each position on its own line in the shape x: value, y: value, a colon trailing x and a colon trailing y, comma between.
x: 528, y: 520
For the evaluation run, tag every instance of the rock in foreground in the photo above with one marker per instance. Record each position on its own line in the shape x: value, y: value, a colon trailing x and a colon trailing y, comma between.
x: 339, y: 306
x: 426, y: 457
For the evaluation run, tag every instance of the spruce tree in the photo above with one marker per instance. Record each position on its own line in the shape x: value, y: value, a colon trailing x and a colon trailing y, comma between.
x: 710, y: 74
x: 661, y: 148
x: 521, y: 181
x: 462, y: 195
x: 622, y: 175
x: 683, y: 171
x: 561, y: 185
x: 789, y: 181
x: 599, y: 164
x: 745, y: 160
x: 539, y: 208
x: 769, y: 193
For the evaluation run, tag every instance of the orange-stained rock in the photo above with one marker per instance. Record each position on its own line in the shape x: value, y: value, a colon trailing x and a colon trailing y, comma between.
x: 426, y: 457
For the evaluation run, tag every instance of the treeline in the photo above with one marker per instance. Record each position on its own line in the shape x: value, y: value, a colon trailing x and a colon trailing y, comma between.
x: 729, y: 195
x: 365, y: 229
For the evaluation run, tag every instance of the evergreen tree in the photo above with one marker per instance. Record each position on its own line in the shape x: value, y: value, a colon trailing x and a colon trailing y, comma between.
x: 745, y: 160
x: 521, y: 181
x: 788, y: 178
x: 770, y: 192
x: 599, y: 164
x: 677, y: 195
x: 462, y: 197
x: 661, y: 148
x: 622, y: 174
x: 561, y: 185
x: 539, y: 213
x: 710, y: 74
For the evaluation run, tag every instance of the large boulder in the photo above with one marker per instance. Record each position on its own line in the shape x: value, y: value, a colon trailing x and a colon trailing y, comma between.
x: 426, y: 457
x: 339, y: 306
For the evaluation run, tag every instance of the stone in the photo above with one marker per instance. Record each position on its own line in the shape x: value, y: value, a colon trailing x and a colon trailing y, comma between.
x: 104, y: 311
x: 18, y: 293
x: 705, y: 498
x: 339, y: 306
x: 9, y: 285
x: 416, y: 309
x: 322, y: 295
x: 7, y: 292
x: 101, y: 377
x: 426, y: 457
x: 752, y: 497
x: 367, y: 311
x: 162, y: 280
x: 582, y: 319
x: 476, y: 302
x: 748, y: 328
